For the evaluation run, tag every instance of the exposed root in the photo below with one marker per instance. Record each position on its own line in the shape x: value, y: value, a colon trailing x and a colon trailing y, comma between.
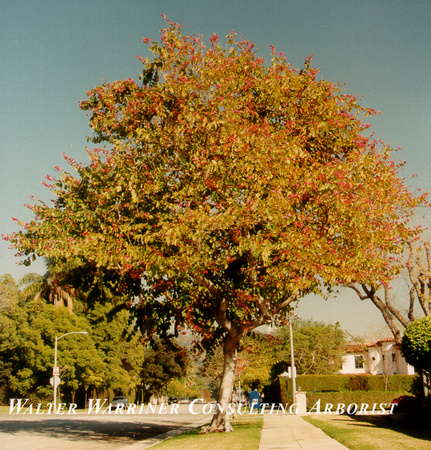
x: 224, y: 427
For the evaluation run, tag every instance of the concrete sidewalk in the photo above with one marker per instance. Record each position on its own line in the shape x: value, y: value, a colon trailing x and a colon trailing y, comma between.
x: 288, y: 431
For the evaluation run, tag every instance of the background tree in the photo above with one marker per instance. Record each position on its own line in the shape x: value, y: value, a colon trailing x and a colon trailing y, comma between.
x: 227, y: 189
x: 8, y: 293
x: 121, y: 346
x: 257, y: 355
x: 27, y: 350
x: 318, y: 347
x: 408, y: 298
x: 110, y: 357
x: 164, y: 361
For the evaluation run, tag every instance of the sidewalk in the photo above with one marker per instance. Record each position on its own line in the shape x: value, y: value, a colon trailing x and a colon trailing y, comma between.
x: 288, y: 431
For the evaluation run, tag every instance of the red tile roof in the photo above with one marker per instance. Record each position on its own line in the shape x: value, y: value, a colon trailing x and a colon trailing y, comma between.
x: 359, y: 347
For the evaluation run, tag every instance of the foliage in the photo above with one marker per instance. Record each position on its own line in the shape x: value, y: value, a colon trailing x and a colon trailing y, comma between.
x: 188, y: 387
x: 347, y: 389
x: 349, y: 397
x: 26, y: 348
x: 164, y: 361
x: 318, y: 347
x: 121, y: 349
x: 358, y: 383
x: 416, y: 344
x: 342, y: 383
x: 257, y: 352
x: 227, y: 188
x: 108, y: 357
x: 8, y: 293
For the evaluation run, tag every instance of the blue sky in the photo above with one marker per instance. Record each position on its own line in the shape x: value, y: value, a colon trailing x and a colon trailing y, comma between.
x: 52, y: 52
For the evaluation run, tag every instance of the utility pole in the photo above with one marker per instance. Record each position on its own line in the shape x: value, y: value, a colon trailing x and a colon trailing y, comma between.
x: 292, y: 359
x: 56, y: 369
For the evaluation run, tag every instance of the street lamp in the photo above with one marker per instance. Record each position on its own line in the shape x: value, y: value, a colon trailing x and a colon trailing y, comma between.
x: 56, y: 370
x: 292, y: 359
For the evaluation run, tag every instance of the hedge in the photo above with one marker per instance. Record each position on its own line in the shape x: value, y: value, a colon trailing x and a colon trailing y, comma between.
x: 341, y: 383
x: 348, y: 388
x: 347, y: 398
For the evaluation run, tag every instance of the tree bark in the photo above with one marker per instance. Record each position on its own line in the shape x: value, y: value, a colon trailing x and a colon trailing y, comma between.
x: 221, y: 420
x: 391, y: 321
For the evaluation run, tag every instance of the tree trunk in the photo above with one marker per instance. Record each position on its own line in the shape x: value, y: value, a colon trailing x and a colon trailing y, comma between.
x: 220, y: 421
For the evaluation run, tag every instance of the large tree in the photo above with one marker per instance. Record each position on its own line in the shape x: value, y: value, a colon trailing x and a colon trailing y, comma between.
x: 227, y: 187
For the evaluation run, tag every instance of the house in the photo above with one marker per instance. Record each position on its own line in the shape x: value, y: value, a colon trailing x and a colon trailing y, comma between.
x: 376, y: 358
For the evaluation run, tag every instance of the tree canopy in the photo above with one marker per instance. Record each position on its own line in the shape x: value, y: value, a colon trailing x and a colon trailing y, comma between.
x: 226, y: 188
x: 109, y: 357
x: 318, y: 347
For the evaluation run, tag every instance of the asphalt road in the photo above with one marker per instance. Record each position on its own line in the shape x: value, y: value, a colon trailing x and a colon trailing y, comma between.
x: 93, y: 431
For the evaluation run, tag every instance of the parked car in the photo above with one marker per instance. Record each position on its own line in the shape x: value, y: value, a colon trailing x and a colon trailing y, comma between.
x: 172, y: 400
x: 119, y: 400
x: 184, y: 400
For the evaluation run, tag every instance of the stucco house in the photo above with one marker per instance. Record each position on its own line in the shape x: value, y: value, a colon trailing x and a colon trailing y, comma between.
x: 376, y: 358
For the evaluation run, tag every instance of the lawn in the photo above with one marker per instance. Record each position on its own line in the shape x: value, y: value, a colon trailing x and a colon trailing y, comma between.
x: 246, y: 436
x: 372, y: 432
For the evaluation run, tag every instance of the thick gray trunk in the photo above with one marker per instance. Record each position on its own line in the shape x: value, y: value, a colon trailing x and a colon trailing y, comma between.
x: 220, y: 421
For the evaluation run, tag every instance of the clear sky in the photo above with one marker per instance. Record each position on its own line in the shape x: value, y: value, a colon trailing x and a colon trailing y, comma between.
x: 52, y: 52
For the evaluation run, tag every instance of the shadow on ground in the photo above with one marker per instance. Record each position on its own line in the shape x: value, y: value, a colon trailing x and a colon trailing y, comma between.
x: 77, y: 430
x: 420, y: 429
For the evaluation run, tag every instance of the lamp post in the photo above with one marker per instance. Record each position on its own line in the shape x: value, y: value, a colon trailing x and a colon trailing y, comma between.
x: 292, y: 359
x: 56, y: 370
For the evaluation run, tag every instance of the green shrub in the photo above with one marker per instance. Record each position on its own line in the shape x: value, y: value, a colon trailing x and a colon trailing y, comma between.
x: 416, y: 343
x: 339, y: 383
x: 358, y: 397
x: 358, y: 383
x: 343, y: 384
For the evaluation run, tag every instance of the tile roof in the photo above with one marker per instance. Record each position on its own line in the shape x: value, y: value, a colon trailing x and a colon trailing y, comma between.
x: 359, y: 347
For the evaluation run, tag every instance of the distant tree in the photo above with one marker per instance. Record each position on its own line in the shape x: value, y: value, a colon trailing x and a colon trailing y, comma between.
x: 163, y: 361
x: 110, y: 356
x: 212, y: 369
x: 257, y: 356
x: 228, y: 188
x: 8, y: 292
x: 27, y: 350
x: 411, y: 298
x: 318, y: 347
x: 120, y: 344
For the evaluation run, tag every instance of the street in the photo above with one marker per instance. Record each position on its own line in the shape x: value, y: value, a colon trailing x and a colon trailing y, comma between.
x: 92, y: 431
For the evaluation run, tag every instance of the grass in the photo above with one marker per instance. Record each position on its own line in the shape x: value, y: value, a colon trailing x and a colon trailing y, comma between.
x: 246, y: 436
x: 4, y: 409
x: 372, y: 432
